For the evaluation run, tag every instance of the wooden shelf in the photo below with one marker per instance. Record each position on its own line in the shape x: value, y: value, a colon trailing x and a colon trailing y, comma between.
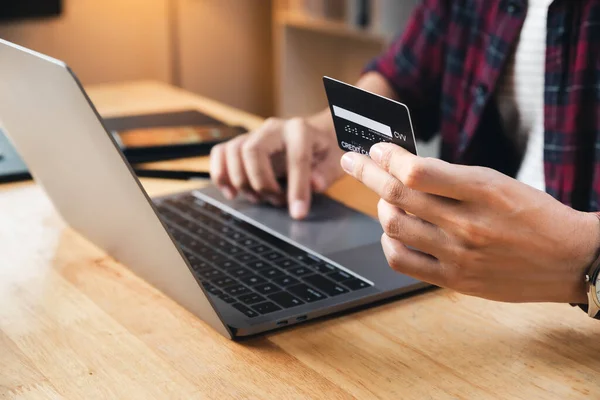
x: 342, y: 29
x: 307, y: 47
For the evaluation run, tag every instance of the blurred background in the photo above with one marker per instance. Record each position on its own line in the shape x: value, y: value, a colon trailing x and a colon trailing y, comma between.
x: 263, y: 56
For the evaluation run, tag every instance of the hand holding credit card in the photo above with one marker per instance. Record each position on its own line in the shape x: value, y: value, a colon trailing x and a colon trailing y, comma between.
x: 362, y: 119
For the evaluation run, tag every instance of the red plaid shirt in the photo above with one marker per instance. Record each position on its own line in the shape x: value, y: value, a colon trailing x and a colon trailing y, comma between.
x: 446, y: 67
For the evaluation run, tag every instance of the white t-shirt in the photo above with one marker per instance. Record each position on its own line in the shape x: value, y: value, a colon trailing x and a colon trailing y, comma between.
x: 520, y: 94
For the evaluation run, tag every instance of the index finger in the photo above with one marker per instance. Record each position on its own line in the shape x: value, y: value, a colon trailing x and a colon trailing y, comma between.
x: 429, y: 175
x: 299, y: 160
x: 426, y: 206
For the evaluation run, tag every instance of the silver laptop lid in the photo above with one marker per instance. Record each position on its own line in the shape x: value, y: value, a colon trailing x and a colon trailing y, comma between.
x: 56, y: 129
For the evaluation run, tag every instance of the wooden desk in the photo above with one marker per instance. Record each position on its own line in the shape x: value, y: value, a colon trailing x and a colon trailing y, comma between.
x: 74, y: 324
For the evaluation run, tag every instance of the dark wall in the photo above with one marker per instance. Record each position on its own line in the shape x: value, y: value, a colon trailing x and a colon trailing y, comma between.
x: 23, y: 9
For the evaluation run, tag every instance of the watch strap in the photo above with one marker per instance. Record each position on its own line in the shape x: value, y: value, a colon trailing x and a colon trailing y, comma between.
x: 591, y: 272
x: 584, y: 307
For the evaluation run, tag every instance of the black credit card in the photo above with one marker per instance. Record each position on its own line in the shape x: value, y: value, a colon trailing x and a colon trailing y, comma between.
x: 362, y: 119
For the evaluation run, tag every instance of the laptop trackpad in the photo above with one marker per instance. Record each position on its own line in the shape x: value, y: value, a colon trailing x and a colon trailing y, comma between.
x: 330, y: 228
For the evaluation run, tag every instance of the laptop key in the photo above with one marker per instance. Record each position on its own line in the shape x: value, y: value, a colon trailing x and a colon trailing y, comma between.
x: 224, y: 216
x: 324, y: 268
x: 266, y: 288
x: 271, y: 240
x: 210, y: 239
x: 188, y: 224
x: 228, y: 264
x: 272, y: 256
x: 183, y: 238
x: 251, y: 298
x: 247, y: 311
x: 215, y: 258
x: 201, y: 249
x: 258, y: 265
x: 300, y: 271
x: 227, y: 298
x: 200, y: 265
x: 285, y: 299
x: 340, y: 276
x: 198, y: 216
x: 160, y: 206
x: 240, y: 272
x: 260, y: 249
x: 213, y: 290
x: 236, y: 290
x: 211, y: 274
x: 201, y: 231
x: 287, y: 263
x: 212, y: 223
x: 308, y: 259
x: 190, y: 256
x: 222, y: 243
x: 238, y: 236
x: 207, y: 206
x: 176, y: 233
x: 223, y: 281
x: 253, y: 280
x: 286, y: 281
x: 356, y: 284
x: 245, y: 257
x: 172, y: 217
x: 247, y: 242
x: 266, y: 308
x: 177, y: 201
x: 271, y: 273
x: 306, y: 293
x: 231, y: 250
x: 329, y: 287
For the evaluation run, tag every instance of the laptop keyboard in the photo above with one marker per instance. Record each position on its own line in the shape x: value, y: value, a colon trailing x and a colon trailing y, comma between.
x: 247, y: 267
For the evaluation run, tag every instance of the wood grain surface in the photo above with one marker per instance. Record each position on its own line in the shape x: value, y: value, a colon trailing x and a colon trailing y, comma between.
x: 75, y: 324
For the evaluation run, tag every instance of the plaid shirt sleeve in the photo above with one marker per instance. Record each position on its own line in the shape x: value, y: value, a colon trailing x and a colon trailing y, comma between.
x: 413, y: 65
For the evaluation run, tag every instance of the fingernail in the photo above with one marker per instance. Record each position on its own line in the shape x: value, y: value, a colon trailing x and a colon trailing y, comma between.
x: 299, y: 209
x: 348, y: 162
x: 227, y: 192
x: 376, y: 153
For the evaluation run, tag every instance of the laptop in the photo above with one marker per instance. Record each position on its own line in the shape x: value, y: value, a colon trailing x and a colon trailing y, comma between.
x: 12, y: 167
x: 243, y: 269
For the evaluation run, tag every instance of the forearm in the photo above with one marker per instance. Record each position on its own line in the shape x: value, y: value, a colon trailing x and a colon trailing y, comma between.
x: 372, y: 82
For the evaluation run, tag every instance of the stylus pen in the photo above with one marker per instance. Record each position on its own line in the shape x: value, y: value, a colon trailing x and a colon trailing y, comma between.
x: 184, y: 175
x: 171, y: 174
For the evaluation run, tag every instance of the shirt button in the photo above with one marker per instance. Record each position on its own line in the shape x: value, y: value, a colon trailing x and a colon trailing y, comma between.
x: 557, y: 35
x: 513, y: 7
x: 480, y: 93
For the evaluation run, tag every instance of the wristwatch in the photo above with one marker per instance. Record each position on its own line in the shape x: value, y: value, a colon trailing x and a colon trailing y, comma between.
x: 592, y: 280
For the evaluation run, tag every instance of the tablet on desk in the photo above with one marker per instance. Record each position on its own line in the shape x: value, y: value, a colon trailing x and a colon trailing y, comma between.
x: 165, y: 136
x: 12, y: 167
x: 169, y: 136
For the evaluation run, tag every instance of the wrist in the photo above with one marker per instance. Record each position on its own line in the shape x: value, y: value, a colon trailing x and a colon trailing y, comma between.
x: 322, y: 121
x: 588, y: 254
